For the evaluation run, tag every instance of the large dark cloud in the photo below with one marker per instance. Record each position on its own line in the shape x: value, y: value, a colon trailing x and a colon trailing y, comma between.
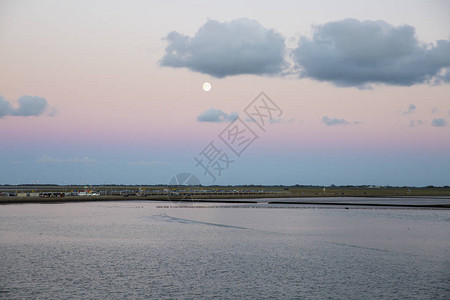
x: 216, y: 116
x: 354, y: 53
x: 241, y: 46
x: 28, y: 106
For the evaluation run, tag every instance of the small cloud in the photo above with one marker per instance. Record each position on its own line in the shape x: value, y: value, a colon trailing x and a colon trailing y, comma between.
x: 414, y: 123
x: 47, y: 159
x: 216, y: 116
x: 439, y: 122
x: 146, y: 163
x: 28, y: 106
x: 5, y: 107
x: 410, y: 109
x: 241, y: 46
x: 333, y: 122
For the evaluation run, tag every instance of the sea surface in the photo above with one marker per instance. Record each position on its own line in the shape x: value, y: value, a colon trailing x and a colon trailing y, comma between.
x: 116, y: 250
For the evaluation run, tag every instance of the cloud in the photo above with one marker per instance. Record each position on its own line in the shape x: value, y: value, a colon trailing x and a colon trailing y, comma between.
x: 410, y: 109
x: 241, y: 46
x: 280, y: 120
x: 28, y: 106
x: 5, y: 107
x: 354, y: 53
x: 348, y: 52
x: 332, y: 122
x: 154, y: 162
x: 439, y: 123
x: 414, y: 123
x: 47, y: 159
x: 216, y: 116
x: 443, y: 76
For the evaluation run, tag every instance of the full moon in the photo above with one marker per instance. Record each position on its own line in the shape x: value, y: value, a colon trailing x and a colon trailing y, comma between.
x: 206, y: 86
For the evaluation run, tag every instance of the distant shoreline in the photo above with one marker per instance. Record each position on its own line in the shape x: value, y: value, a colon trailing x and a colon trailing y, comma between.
x: 243, y: 199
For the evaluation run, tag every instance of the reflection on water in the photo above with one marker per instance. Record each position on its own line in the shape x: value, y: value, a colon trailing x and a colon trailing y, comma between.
x: 137, y: 250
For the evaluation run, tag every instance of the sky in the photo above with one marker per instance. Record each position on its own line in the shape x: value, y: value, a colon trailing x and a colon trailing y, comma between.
x: 302, y: 92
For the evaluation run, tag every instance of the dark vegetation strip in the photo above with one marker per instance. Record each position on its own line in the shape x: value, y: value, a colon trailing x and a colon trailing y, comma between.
x: 362, y: 204
x: 232, y: 199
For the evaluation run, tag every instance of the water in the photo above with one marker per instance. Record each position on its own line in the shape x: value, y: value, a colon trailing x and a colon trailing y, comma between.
x: 140, y: 250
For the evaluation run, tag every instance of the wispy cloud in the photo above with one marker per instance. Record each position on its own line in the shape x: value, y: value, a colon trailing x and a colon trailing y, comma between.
x: 47, y: 159
x: 146, y: 163
x: 439, y: 122
x: 28, y: 106
x: 335, y: 121
x: 216, y: 116
x: 415, y: 123
x: 280, y: 121
x: 411, y: 109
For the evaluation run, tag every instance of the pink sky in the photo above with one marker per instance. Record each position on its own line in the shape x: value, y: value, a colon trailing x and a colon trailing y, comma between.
x: 97, y: 66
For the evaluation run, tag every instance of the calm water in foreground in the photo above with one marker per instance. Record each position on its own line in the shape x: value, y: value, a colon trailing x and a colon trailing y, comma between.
x: 139, y: 250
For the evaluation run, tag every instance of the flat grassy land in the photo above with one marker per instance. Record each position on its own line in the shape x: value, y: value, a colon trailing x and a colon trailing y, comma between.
x: 224, y: 193
x: 370, y: 192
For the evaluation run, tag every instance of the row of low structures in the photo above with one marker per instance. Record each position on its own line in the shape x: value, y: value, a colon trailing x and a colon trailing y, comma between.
x: 127, y: 193
x: 47, y: 194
